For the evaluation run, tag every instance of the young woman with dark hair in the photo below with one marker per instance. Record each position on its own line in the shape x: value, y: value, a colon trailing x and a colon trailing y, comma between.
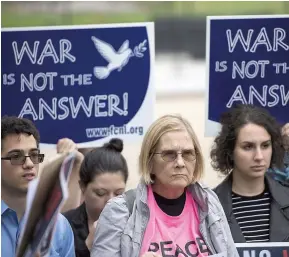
x: 103, y: 175
x: 256, y: 206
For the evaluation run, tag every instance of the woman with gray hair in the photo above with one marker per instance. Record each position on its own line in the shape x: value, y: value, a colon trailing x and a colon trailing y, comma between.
x: 172, y: 213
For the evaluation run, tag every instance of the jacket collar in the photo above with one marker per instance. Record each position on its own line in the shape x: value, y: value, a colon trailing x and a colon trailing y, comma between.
x: 200, y: 195
x: 80, y: 216
x: 223, y: 191
x: 278, y: 192
x: 279, y: 221
x: 197, y: 190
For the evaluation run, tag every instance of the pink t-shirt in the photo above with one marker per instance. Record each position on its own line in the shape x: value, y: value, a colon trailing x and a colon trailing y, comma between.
x: 174, y: 235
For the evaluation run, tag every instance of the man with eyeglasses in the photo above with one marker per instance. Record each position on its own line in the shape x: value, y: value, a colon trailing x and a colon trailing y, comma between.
x: 20, y: 158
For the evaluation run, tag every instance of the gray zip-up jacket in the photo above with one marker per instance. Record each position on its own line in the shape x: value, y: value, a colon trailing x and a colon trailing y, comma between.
x: 119, y: 234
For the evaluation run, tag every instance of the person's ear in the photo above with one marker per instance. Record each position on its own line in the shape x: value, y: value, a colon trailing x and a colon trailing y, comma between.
x: 81, y: 186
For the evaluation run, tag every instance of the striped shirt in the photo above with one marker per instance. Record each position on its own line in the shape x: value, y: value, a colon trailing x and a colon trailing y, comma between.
x: 253, y: 216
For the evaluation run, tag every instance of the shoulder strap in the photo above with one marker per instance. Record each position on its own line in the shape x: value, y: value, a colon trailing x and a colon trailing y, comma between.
x: 129, y: 197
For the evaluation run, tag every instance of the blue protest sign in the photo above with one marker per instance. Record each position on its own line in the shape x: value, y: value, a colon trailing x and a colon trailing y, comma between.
x: 267, y: 249
x: 88, y: 83
x: 247, y: 63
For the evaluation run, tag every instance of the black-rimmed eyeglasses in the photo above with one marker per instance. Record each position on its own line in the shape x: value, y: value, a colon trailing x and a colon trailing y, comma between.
x: 170, y: 155
x: 20, y: 159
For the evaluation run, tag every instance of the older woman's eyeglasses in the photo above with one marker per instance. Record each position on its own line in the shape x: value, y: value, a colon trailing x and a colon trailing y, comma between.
x: 171, y: 155
x: 20, y: 158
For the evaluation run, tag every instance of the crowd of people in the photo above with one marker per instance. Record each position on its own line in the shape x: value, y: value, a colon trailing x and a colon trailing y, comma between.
x: 170, y: 212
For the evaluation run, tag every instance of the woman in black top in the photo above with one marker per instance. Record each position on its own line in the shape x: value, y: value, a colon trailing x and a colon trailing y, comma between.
x: 256, y: 206
x: 103, y: 175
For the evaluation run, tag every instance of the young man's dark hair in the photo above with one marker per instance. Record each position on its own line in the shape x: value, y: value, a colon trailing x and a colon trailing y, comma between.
x: 14, y: 125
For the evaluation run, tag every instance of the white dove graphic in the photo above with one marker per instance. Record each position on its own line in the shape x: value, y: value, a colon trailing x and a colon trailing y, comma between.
x: 116, y: 60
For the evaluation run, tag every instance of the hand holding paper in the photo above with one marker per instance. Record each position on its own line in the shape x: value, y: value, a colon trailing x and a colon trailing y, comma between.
x: 66, y: 145
x: 45, y: 197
